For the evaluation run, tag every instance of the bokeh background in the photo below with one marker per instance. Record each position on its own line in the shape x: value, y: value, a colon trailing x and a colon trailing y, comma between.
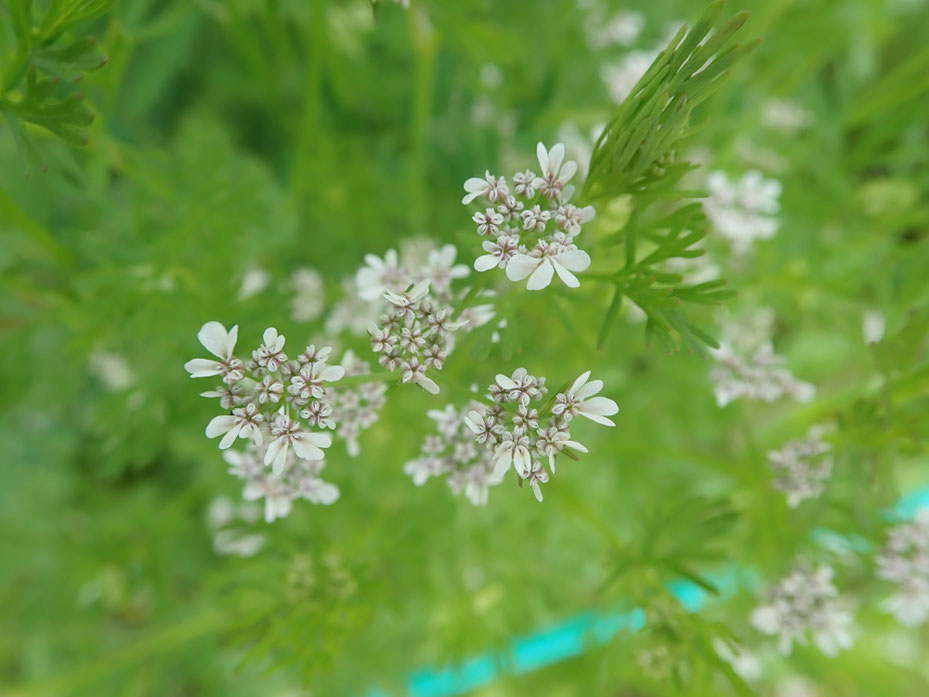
x: 240, y: 137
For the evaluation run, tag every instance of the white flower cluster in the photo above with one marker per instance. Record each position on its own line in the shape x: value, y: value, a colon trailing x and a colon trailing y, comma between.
x: 297, y: 478
x: 417, y: 334
x: 747, y: 367
x: 622, y: 29
x: 516, y: 222
x: 452, y: 452
x: 904, y: 560
x: 355, y: 409
x: 744, y: 210
x: 520, y: 435
x: 230, y: 523
x: 279, y: 405
x: 418, y: 260
x: 802, y: 467
x: 805, y: 602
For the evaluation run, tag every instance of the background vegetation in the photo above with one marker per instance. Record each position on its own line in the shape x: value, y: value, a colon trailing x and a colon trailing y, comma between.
x: 238, y: 135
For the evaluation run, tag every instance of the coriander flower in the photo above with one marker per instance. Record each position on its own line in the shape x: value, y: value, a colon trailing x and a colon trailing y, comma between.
x: 544, y: 261
x: 215, y: 339
x: 490, y: 187
x: 270, y: 355
x: 805, y: 602
x: 380, y: 275
x: 245, y: 422
x: 555, y: 171
x: 498, y: 254
x: 288, y: 432
x: 580, y: 399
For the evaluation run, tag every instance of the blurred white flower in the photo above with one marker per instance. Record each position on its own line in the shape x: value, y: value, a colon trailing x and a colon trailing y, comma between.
x: 253, y: 282
x: 805, y: 603
x: 873, y: 325
x: 309, y: 299
x: 744, y: 210
x: 785, y: 116
x: 802, y: 467
x: 904, y: 560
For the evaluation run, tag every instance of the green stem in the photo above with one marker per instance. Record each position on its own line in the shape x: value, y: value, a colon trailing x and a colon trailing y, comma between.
x: 476, y: 287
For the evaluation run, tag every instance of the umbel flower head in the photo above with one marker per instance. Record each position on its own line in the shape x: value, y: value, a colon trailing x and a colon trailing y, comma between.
x: 743, y: 210
x: 519, y: 432
x: 748, y: 368
x: 417, y: 334
x: 452, y: 453
x: 530, y: 230
x: 904, y: 561
x: 802, y: 467
x: 805, y: 603
x: 280, y: 405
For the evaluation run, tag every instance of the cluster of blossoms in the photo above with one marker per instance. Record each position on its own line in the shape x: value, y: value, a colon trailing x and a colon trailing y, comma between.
x: 904, y: 560
x: 279, y: 405
x: 747, y: 367
x: 297, y: 478
x: 802, y: 467
x: 744, y: 210
x: 805, y: 602
x: 230, y: 523
x: 451, y: 452
x: 531, y: 227
x: 520, y: 435
x: 355, y: 409
x: 417, y: 334
x: 419, y: 259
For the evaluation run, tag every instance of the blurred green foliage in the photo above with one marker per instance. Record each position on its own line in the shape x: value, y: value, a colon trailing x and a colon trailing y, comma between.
x: 242, y: 134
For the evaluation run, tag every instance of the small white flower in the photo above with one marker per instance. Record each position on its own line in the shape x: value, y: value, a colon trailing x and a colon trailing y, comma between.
x: 555, y: 171
x: 524, y: 183
x: 215, y: 339
x: 380, y: 275
x: 536, y: 476
x: 409, y: 298
x: 498, y: 254
x: 580, y: 400
x: 288, y: 432
x: 535, y: 219
x: 570, y: 218
x: 488, y: 222
x: 513, y: 450
x: 440, y: 269
x: 270, y: 355
x: 546, y: 260
x: 245, y: 422
x: 490, y: 187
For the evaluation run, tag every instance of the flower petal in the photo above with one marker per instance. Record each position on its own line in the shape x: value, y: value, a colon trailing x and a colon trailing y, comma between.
x: 203, y: 368
x: 576, y: 260
x: 555, y: 157
x: 566, y: 276
x: 214, y: 338
x: 520, y: 266
x: 542, y: 154
x: 485, y: 262
x: 219, y: 425
x: 332, y: 373
x: 579, y: 383
x: 541, y: 277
